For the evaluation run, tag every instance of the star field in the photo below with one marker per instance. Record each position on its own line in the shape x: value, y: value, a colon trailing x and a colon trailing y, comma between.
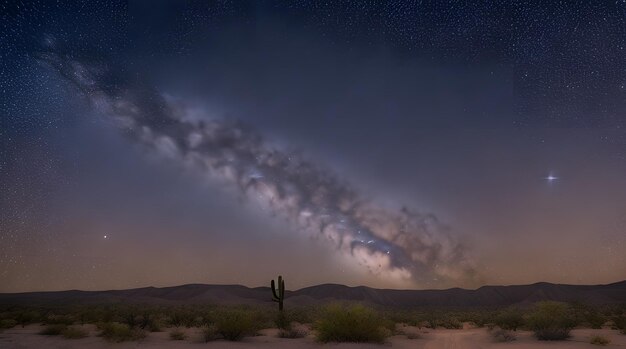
x: 505, y: 121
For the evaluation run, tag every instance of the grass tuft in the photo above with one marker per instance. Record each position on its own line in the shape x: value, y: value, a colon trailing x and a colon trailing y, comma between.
x: 599, y: 340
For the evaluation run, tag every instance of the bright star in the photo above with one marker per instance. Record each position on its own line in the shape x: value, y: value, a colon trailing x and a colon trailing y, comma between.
x: 551, y: 178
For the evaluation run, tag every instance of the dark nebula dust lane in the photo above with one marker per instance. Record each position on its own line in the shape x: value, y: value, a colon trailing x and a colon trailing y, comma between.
x: 400, y: 246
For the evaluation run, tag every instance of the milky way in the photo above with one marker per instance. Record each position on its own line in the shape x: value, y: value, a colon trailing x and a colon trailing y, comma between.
x: 404, y: 245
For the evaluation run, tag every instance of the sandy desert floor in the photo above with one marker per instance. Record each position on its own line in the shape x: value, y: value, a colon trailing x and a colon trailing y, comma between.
x: 28, y: 338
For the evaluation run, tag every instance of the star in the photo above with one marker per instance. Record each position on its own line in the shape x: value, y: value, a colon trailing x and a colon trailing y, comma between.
x: 551, y: 178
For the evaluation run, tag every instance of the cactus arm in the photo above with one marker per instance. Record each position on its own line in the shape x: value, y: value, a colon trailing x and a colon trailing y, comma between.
x: 274, y: 294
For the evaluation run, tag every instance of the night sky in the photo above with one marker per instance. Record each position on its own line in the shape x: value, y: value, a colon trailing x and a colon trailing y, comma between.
x: 396, y: 144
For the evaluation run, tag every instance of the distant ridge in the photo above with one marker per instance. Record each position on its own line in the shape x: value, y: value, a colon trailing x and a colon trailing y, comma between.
x: 237, y: 294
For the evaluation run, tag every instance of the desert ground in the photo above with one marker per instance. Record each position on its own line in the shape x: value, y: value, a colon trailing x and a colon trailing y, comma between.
x: 28, y: 337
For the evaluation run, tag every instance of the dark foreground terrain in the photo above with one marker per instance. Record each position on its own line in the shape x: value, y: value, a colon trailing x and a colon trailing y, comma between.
x: 231, y: 316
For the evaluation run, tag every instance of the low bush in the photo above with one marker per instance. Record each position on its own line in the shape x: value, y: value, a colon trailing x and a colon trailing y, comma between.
x: 450, y: 323
x: 303, y: 315
x: 589, y: 316
x: 235, y: 324
x: 351, y: 324
x: 428, y: 320
x: 53, y: 330
x: 595, y: 319
x: 409, y: 332
x: 177, y: 335
x: 54, y: 319
x: 7, y: 323
x: 501, y: 335
x: 509, y: 319
x: 153, y: 326
x: 481, y: 318
x: 74, y: 332
x: 209, y: 333
x: 599, y: 340
x: 433, y: 320
x: 551, y: 321
x: 282, y: 321
x: 150, y: 322
x: 116, y: 332
x: 293, y: 330
x: 619, y: 323
x: 185, y: 316
x: 28, y: 317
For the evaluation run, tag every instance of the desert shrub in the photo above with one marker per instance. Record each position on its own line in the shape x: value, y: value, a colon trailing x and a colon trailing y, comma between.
x: 117, y: 332
x: 509, y: 319
x: 433, y: 320
x: 293, y: 330
x: 599, y: 340
x: 595, y: 319
x: 209, y: 333
x: 351, y: 324
x: 282, y: 322
x: 234, y: 324
x: 479, y: 318
x: 149, y: 322
x: 301, y: 315
x: 619, y: 323
x: 93, y: 314
x: 501, y: 335
x: 136, y: 316
x: 54, y: 319
x: 264, y: 318
x: 551, y: 321
x: 186, y: 317
x: 7, y: 323
x: 590, y: 316
x: 450, y: 322
x: 288, y: 327
x: 177, y: 335
x: 400, y: 316
x: 53, y: 330
x: 28, y: 317
x: 153, y: 326
x: 429, y: 320
x: 74, y: 332
x: 409, y: 332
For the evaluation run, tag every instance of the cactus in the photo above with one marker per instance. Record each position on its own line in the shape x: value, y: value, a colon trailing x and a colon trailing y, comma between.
x: 279, y: 295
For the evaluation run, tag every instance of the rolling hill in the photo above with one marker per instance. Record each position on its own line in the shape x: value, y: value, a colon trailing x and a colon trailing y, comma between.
x: 237, y: 294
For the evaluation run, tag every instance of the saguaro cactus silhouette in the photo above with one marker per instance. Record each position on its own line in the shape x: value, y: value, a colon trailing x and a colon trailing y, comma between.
x: 279, y: 295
